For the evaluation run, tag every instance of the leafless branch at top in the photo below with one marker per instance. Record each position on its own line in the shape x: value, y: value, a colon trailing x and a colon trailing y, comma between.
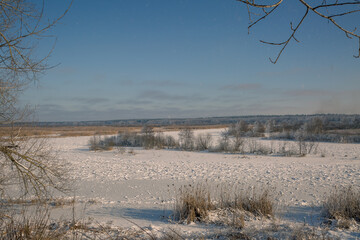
x: 328, y: 10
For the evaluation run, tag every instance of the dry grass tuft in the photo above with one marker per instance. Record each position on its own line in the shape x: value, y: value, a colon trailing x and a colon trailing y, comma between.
x: 258, y: 203
x: 343, y: 204
x: 34, y: 227
x: 193, y: 204
x: 171, y: 234
x: 310, y: 233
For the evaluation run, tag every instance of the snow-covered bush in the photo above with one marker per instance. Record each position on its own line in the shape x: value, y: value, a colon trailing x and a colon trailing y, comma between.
x: 224, y: 143
x: 203, y: 141
x: 96, y: 143
x: 170, y: 142
x: 186, y: 139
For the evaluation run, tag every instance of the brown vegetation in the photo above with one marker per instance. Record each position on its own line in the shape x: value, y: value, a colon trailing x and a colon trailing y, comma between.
x: 74, y: 131
x: 343, y: 204
x: 194, y: 202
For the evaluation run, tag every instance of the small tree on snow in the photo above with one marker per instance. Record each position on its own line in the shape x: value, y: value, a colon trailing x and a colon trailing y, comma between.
x: 203, y: 141
x: 186, y: 138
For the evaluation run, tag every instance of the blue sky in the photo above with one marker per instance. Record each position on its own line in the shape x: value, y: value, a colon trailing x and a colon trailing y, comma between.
x: 120, y: 59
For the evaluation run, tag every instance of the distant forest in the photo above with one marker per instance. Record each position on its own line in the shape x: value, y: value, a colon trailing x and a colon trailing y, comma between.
x: 330, y: 121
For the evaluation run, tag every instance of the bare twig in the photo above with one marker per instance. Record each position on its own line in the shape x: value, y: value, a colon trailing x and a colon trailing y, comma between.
x: 253, y: 4
x: 285, y: 43
x: 357, y: 56
x: 263, y: 17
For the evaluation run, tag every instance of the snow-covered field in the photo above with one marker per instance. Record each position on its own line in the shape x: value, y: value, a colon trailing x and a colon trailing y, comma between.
x: 140, y: 185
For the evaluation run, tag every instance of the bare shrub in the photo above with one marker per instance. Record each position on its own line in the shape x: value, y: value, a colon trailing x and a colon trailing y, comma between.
x: 343, y: 203
x: 159, y: 140
x: 96, y: 143
x: 238, y: 129
x: 305, y: 146
x: 258, y: 130
x: 312, y: 147
x: 256, y: 147
x: 252, y: 145
x: 147, y: 130
x: 286, y: 149
x: 314, y: 126
x: 129, y: 139
x: 186, y: 139
x: 203, y: 141
x: 148, y: 137
x: 269, y: 127
x: 242, y: 127
x: 224, y: 142
x: 237, y: 144
x: 170, y: 142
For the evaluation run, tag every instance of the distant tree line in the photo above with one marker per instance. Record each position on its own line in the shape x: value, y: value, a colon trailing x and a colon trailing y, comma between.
x: 331, y: 121
x: 240, y: 137
x: 317, y: 129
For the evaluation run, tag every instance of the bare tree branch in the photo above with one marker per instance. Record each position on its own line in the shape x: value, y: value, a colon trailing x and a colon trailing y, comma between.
x: 332, y: 9
x: 24, y: 161
x: 263, y: 17
x: 285, y: 43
